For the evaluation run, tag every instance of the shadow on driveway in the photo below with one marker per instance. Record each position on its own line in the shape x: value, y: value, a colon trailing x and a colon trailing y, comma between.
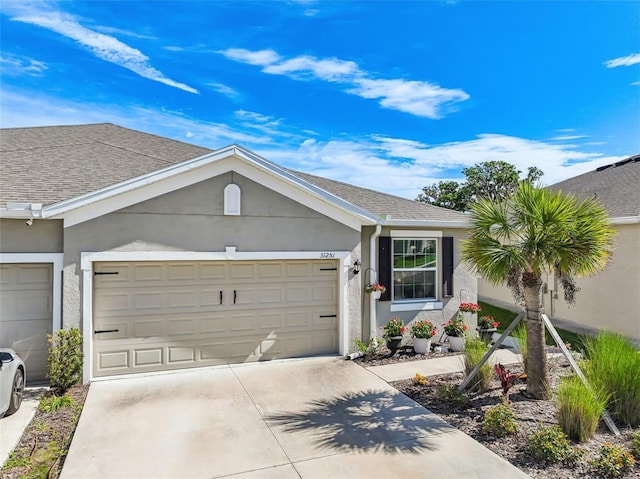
x: 376, y: 421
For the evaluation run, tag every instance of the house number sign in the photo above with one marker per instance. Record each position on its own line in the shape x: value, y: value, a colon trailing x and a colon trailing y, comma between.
x: 327, y: 254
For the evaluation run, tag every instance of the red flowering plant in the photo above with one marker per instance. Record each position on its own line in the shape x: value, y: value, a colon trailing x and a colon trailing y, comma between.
x: 373, y: 287
x: 423, y: 330
x: 469, y: 308
x: 487, y: 322
x: 455, y: 328
x: 394, y: 328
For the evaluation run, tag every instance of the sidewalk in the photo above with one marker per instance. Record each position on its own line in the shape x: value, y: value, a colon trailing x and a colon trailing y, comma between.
x: 436, y: 366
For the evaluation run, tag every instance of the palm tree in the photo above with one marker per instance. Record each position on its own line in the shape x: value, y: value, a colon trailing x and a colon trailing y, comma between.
x: 535, y: 231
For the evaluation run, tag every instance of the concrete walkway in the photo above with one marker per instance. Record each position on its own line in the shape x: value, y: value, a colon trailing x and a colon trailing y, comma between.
x: 311, y: 418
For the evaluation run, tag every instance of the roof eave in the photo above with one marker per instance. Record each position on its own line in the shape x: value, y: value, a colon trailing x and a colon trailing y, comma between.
x: 425, y: 223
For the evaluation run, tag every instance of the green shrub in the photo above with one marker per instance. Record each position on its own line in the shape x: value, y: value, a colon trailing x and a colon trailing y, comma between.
x: 54, y: 403
x: 550, y: 444
x: 65, y: 359
x: 474, y: 351
x: 371, y: 348
x: 613, y: 461
x: 520, y: 335
x: 449, y: 393
x: 635, y: 445
x: 612, y: 367
x: 579, y: 409
x: 500, y: 421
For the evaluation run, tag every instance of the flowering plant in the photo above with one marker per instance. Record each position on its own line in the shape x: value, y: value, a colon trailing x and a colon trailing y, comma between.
x: 469, y: 307
x: 455, y: 328
x: 487, y: 322
x: 373, y: 287
x: 395, y: 327
x: 423, y: 329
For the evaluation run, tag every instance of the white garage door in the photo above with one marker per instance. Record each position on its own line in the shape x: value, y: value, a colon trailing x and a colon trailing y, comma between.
x: 26, y: 310
x: 152, y: 316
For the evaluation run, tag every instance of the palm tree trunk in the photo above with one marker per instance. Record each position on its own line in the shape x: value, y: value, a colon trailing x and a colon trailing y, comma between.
x: 536, y: 366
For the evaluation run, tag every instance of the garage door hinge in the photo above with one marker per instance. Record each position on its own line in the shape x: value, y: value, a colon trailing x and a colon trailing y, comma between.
x: 328, y: 269
x: 96, y: 273
x: 328, y: 316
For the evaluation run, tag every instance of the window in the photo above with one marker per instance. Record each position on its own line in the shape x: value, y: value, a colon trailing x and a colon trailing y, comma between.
x: 414, y: 263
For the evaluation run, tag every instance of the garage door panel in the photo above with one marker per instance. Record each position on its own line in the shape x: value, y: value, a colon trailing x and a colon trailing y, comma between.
x: 169, y: 314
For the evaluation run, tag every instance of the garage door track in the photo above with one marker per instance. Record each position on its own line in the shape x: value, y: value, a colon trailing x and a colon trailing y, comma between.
x: 311, y: 418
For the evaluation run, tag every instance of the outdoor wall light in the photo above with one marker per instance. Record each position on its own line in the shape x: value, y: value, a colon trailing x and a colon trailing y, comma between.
x: 356, y: 267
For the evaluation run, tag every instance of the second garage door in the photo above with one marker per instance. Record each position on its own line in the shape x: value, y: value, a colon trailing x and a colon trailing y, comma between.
x: 152, y: 316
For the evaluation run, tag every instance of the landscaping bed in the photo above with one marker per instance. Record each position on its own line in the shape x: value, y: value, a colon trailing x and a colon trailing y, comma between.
x: 45, y: 442
x: 530, y: 414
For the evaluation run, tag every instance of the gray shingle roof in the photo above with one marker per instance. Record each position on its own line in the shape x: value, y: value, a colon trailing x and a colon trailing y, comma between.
x: 54, y: 163
x: 615, y: 186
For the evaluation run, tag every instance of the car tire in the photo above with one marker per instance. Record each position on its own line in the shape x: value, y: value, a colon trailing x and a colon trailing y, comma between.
x: 16, y: 392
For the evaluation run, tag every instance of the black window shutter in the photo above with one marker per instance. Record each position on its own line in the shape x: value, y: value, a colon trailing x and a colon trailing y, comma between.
x: 447, y: 265
x: 384, y: 266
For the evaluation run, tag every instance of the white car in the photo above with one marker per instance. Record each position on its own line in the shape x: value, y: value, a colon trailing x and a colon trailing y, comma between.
x: 13, y: 376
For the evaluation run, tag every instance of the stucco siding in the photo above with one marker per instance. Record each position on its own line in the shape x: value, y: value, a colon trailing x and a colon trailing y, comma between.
x: 43, y: 236
x: 192, y: 219
x: 607, y: 300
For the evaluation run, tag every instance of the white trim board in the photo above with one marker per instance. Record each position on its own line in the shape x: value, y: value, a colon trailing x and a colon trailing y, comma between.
x: 88, y: 258
x: 56, y: 259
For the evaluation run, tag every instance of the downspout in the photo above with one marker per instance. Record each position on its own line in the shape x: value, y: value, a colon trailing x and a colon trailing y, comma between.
x: 373, y: 326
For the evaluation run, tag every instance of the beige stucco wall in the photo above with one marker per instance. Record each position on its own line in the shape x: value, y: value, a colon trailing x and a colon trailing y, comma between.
x: 464, y: 284
x: 607, y: 300
x: 43, y: 236
x: 191, y: 219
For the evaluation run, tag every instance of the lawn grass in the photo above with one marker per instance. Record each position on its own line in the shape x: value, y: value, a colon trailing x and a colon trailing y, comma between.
x: 506, y: 317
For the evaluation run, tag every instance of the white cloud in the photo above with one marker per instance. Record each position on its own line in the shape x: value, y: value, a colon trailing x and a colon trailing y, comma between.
x: 568, y: 137
x: 623, y: 61
x: 398, y: 166
x: 636, y: 83
x: 418, y: 98
x: 105, y: 47
x: 14, y: 65
x: 224, y: 89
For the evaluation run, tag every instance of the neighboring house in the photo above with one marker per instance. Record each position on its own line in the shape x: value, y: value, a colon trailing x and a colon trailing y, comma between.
x: 168, y: 255
x: 608, y: 300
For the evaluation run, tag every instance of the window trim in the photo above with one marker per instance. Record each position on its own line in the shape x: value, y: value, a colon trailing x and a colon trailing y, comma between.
x: 409, y: 236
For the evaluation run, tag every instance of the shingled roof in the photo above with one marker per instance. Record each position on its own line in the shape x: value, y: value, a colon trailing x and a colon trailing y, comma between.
x: 55, y: 163
x: 615, y: 186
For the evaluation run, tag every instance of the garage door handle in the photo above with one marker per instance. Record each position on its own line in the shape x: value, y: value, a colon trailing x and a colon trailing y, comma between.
x: 98, y: 331
x: 220, y: 297
x: 234, y: 296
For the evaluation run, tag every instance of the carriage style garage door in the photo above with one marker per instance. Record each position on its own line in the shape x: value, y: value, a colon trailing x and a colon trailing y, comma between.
x: 26, y: 313
x: 152, y: 316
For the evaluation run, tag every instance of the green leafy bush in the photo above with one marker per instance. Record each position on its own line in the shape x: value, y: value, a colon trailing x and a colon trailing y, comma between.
x: 474, y: 351
x: 613, y: 461
x: 449, y: 393
x: 635, y: 445
x: 550, y: 444
x: 612, y: 367
x: 65, y: 359
x: 579, y: 409
x: 500, y: 421
x: 54, y: 403
x: 371, y: 348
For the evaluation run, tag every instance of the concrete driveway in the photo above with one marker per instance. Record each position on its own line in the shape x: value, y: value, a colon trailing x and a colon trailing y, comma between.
x: 311, y: 418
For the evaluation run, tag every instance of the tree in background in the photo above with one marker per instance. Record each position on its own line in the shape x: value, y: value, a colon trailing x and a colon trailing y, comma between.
x: 533, y: 231
x: 494, y: 180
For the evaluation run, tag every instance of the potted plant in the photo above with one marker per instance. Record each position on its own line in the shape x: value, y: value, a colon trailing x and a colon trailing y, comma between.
x: 455, y: 330
x: 422, y: 332
x: 468, y: 312
x: 393, y: 331
x: 375, y: 289
x: 487, y: 325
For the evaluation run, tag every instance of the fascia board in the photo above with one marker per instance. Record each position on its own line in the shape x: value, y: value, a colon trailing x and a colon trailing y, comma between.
x: 95, y: 204
x: 427, y: 223
x: 625, y: 220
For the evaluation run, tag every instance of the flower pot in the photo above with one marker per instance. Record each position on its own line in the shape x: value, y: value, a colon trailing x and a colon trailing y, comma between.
x: 393, y: 343
x: 422, y: 345
x: 456, y: 343
x: 486, y: 334
x: 376, y: 294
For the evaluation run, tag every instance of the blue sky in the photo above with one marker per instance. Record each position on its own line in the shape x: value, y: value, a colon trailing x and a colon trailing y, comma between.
x: 387, y: 95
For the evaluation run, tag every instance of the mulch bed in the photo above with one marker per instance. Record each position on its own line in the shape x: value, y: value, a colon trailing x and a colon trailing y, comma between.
x: 530, y: 414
